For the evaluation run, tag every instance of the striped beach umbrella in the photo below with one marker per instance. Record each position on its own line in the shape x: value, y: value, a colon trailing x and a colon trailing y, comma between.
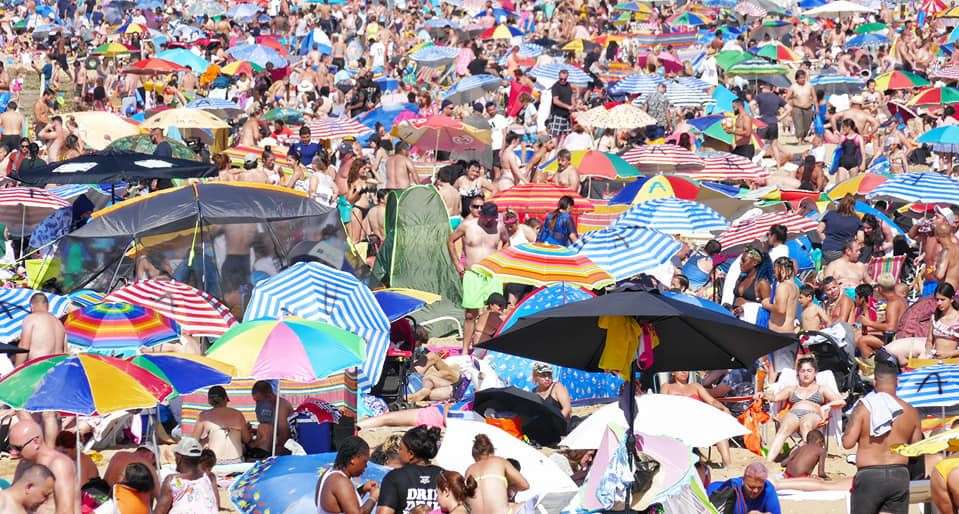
x: 683, y: 96
x: 118, y: 327
x: 258, y: 54
x: 24, y: 207
x: 440, y: 132
x: 15, y: 307
x: 313, y: 291
x: 198, y: 313
x: 540, y: 264
x: 550, y: 72
x: 757, y: 68
x: 674, y: 216
x: 663, y: 159
x: 591, y: 163
x: 900, y: 80
x: 186, y: 373
x: 934, y: 96
x: 435, y: 55
x: 471, y: 88
x: 86, y: 297
x: 748, y: 230
x: 693, y: 83
x: 869, y: 40
x: 637, y: 84
x: 688, y: 19
x: 83, y: 384
x: 835, y: 84
x: 501, y: 31
x: 599, y: 219
x: 930, y: 386
x: 946, y: 73
x: 777, y: 52
x: 336, y: 128
x: 538, y: 199
x: 724, y: 166
x: 620, y: 116
x: 626, y: 251
x: 923, y: 187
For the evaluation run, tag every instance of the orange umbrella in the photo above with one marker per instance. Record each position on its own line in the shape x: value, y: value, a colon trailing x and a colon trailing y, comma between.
x: 538, y: 199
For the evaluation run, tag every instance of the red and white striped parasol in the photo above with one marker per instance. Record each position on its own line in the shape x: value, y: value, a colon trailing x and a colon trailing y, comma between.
x: 729, y: 166
x: 947, y: 73
x: 26, y: 206
x: 336, y: 128
x: 198, y: 313
x: 746, y: 231
x: 663, y: 158
x: 750, y: 9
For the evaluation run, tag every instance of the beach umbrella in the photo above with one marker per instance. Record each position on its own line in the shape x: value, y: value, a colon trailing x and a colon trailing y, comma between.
x: 728, y: 58
x: 15, y: 307
x: 435, y: 55
x: 859, y: 185
x: 942, y: 139
x: 118, y: 327
x: 636, y: 84
x: 838, y: 8
x: 113, y: 165
x: 934, y: 96
x: 83, y: 385
x: 533, y: 199
x: 626, y: 251
x: 688, y: 336
x: 196, y: 312
x: 184, y: 372
x: 591, y: 163
x: 693, y: 83
x: 688, y: 19
x: 111, y: 49
x: 633, y: 7
x: 620, y: 116
x: 900, y: 80
x: 699, y: 302
x: 184, y: 118
x: 539, y: 264
x: 663, y: 159
x: 726, y: 166
x: 220, y: 107
x: 750, y: 9
x: 206, y: 8
x: 142, y: 143
x: 86, y: 297
x: 924, y: 187
x: 756, y: 68
x: 777, y: 52
x: 240, y: 11
x: 472, y: 88
x: 317, y: 292
x: 542, y: 422
x: 98, y: 129
x: 947, y: 441
x: 289, y: 349
x: 397, y: 304
x: 930, y: 386
x: 660, y: 186
x: 550, y: 73
x: 868, y: 40
x: 950, y: 72
x: 154, y: 66
x: 22, y: 208
x: 501, y: 31
x: 188, y: 33
x: 336, y: 128
x: 580, y: 45
x: 835, y: 84
x: 441, y: 132
x: 184, y: 57
x: 674, y: 216
x: 600, y: 218
x: 746, y: 231
x: 284, y: 114
x: 867, y: 28
x: 240, y: 67
x: 259, y: 54
x: 543, y: 298
x: 681, y: 96
x: 287, y: 483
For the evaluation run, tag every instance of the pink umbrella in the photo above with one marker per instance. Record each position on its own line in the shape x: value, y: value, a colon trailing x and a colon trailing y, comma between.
x: 442, y: 133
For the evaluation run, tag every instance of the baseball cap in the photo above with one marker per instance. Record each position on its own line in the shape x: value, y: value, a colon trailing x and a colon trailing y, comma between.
x: 188, y: 447
x: 541, y: 368
x: 250, y: 158
x: 489, y: 210
x: 947, y: 213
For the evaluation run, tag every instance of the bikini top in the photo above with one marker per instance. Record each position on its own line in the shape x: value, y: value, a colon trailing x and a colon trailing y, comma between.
x: 941, y: 329
x: 816, y: 397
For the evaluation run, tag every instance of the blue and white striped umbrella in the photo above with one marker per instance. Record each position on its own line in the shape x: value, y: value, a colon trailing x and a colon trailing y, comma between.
x: 313, y: 291
x: 674, y: 216
x: 625, y: 251
x: 526, y: 51
x: 435, y: 55
x: 693, y: 83
x: 261, y: 55
x: 636, y: 84
x: 214, y: 104
x: 471, y: 88
x: 550, y: 72
x: 932, y: 386
x: 835, y: 84
x: 682, y: 96
x: 15, y: 307
x: 925, y: 187
x: 866, y: 41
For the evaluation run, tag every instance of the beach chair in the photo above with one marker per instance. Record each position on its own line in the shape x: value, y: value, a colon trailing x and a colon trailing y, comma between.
x: 831, y: 426
x: 877, y: 266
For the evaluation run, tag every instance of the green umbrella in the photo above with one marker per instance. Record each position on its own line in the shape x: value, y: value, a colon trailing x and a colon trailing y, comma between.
x: 143, y: 144
x: 866, y: 28
x: 755, y: 68
x: 285, y: 115
x: 729, y: 58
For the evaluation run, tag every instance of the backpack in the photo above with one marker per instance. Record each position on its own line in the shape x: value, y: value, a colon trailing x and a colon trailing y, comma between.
x: 728, y: 500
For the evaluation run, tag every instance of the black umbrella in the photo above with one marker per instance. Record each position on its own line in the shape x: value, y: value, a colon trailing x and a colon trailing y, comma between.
x: 11, y: 348
x: 115, y: 165
x: 691, y: 337
x: 541, y: 422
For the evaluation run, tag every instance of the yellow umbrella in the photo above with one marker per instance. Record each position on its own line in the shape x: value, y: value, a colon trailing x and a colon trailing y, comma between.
x: 424, y: 296
x: 97, y: 129
x: 135, y: 28
x: 948, y: 440
x: 184, y: 118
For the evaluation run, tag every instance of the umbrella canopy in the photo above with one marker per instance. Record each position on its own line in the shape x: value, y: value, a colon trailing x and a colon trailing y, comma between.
x: 637, y: 84
x: 750, y: 9
x: 900, y: 80
x: 222, y: 108
x: 141, y: 143
x: 15, y: 307
x: 184, y: 57
x: 86, y: 297
x: 947, y: 72
x: 690, y: 337
x: 291, y: 349
x: 838, y: 8
x: 186, y: 373
x: 746, y: 231
x: 538, y: 199
x: 539, y: 264
x: 83, y: 385
x: 626, y: 251
x: 471, y: 88
x: 397, y: 305
x: 258, y: 54
x: 600, y: 218
x: 867, y: 28
x: 543, y: 298
x: 154, y: 66
x: 550, y: 72
x: 98, y: 129
x: 931, y: 386
x: 22, y: 208
x: 620, y: 116
x: 835, y: 84
x: 435, y: 55
x: 591, y: 163
x: 777, y: 52
x: 115, y: 165
x: 660, y: 186
x: 196, y: 312
x: 336, y: 128
x: 184, y: 118
x: 861, y: 184
x: 540, y: 421
x: 441, y: 132
x: 935, y: 96
x: 946, y: 136
x: 924, y: 187
x: 501, y: 31
x: 287, y: 484
x: 118, y: 327
x: 314, y: 291
x: 284, y: 114
x: 674, y: 216
x: 726, y: 166
x: 757, y: 68
x: 111, y: 49
x: 663, y: 159
x: 867, y: 41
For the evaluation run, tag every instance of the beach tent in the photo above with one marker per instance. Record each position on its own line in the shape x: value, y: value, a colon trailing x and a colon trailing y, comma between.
x: 414, y: 254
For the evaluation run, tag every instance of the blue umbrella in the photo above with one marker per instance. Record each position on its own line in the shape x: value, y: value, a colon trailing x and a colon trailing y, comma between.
x: 870, y: 40
x: 471, y: 88
x: 15, y: 306
x: 149, y: 4
x: 188, y: 33
x: 693, y: 83
x: 946, y: 135
x: 215, y: 104
x: 258, y: 54
x: 925, y: 187
x: 544, y: 298
x: 674, y: 216
x: 835, y: 84
x: 397, y: 305
x: 864, y: 208
x: 637, y: 84
x: 241, y: 11
x: 52, y: 228
x: 288, y: 484
x: 931, y: 386
x: 626, y: 251
x: 387, y: 84
x: 184, y: 57
x: 698, y: 302
x: 435, y: 55
x: 550, y: 72
x: 499, y: 14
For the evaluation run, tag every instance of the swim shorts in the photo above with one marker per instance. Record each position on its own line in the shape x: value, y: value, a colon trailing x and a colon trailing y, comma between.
x: 881, y: 489
x: 477, y: 287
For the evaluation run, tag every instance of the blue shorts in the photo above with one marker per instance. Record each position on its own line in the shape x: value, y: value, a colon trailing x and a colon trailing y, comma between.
x: 929, y: 287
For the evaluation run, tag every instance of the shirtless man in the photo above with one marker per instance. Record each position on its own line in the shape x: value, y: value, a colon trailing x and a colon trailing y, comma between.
x: 121, y: 459
x: 947, y: 267
x: 28, y: 492
x: 481, y: 237
x: 249, y: 132
x: 265, y: 398
x: 188, y: 84
x: 54, y: 134
x: 222, y: 429
x: 512, y: 169
x: 42, y: 335
x: 743, y: 131
x: 866, y: 123
x: 567, y: 176
x: 813, y: 316
x: 873, y: 332
x: 449, y: 194
x: 41, y: 111
x: 847, y: 269
x: 881, y: 483
x: 11, y: 123
x: 26, y: 440
x: 782, y: 312
x: 801, y: 98
x: 839, y: 306
x: 400, y: 173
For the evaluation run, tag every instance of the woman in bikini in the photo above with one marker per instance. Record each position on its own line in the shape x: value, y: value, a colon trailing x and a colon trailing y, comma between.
x: 494, y: 477
x: 943, y: 340
x: 809, y: 402
x: 680, y: 386
x: 552, y: 392
x: 751, y: 286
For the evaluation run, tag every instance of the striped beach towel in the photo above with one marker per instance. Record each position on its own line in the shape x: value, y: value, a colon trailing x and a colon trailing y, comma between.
x: 877, y: 266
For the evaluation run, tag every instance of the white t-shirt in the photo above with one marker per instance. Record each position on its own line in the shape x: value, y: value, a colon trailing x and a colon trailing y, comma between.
x: 499, y: 125
x: 578, y: 141
x: 778, y: 251
x: 378, y: 54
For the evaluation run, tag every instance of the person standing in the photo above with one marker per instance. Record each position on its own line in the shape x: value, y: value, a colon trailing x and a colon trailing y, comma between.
x: 769, y: 104
x: 42, y: 334
x: 657, y: 106
x: 562, y: 106
x: 742, y: 131
x: 11, y: 122
x: 414, y: 483
x: 802, y: 101
x: 335, y: 492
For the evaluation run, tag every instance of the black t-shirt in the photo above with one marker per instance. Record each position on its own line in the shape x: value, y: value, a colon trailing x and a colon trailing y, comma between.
x: 477, y: 66
x: 564, y: 92
x: 769, y: 105
x: 409, y: 486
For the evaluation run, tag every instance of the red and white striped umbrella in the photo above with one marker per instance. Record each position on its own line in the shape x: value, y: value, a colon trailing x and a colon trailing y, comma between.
x: 663, y: 158
x: 750, y: 9
x: 727, y: 166
x: 336, y: 128
x: 27, y: 206
x: 746, y: 231
x: 198, y: 313
x: 947, y: 73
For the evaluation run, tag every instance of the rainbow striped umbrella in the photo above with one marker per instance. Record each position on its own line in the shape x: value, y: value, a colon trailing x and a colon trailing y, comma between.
x: 777, y: 52
x: 935, y: 96
x: 592, y: 163
x: 118, y: 326
x: 185, y: 372
x: 900, y: 80
x: 539, y: 264
x: 538, y: 199
x: 82, y: 385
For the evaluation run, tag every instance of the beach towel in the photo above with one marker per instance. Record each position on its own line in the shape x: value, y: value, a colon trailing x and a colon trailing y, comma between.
x: 883, y: 411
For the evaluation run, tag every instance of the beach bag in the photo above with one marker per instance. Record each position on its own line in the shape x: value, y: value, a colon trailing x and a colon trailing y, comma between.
x: 644, y: 470
x: 727, y: 500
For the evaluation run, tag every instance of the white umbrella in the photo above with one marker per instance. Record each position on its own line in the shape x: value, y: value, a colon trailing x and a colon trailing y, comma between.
x: 838, y: 8
x: 545, y: 478
x: 691, y: 421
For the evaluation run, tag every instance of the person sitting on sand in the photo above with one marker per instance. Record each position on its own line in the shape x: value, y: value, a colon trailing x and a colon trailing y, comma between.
x: 494, y: 477
x: 758, y: 493
x: 802, y: 460
x: 222, y: 429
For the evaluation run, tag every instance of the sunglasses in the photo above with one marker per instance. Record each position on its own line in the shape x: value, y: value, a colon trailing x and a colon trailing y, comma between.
x: 19, y: 448
x: 476, y: 206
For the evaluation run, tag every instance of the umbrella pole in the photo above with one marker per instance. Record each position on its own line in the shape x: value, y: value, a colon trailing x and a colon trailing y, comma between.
x: 155, y: 414
x: 23, y: 223
x: 631, y: 431
x: 76, y: 431
x: 276, y: 416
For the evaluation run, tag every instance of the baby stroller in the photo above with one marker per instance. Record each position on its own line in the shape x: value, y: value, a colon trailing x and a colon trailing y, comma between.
x: 830, y: 355
x: 396, y: 369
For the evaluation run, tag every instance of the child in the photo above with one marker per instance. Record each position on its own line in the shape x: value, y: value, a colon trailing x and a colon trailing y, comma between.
x: 803, y: 459
x: 207, y: 461
x: 813, y: 316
